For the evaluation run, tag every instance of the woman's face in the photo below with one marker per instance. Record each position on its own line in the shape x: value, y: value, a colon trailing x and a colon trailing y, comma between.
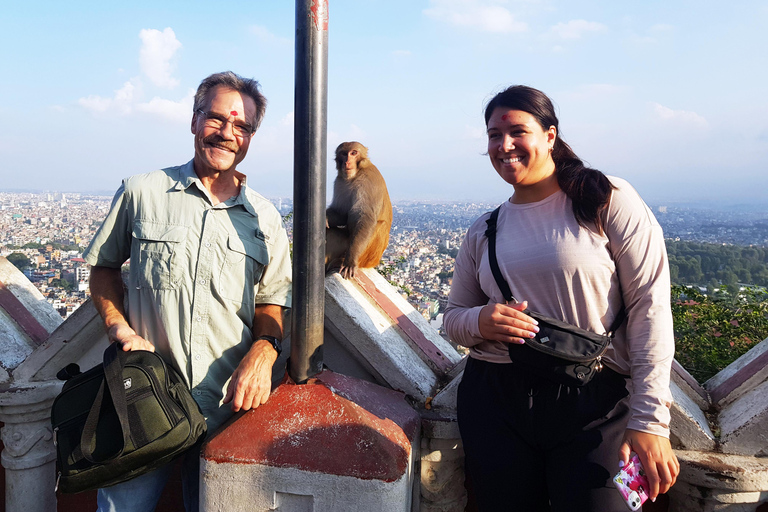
x: 519, y: 148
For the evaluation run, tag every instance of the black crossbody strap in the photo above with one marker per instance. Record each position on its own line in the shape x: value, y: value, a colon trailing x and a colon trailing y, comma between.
x: 114, y: 362
x: 490, y: 234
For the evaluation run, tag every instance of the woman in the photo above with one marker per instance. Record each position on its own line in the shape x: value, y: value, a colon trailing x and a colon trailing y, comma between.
x: 578, y: 246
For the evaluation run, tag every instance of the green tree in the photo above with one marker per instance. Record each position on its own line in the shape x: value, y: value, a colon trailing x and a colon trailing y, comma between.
x: 20, y: 260
x: 712, y: 332
x: 62, y: 283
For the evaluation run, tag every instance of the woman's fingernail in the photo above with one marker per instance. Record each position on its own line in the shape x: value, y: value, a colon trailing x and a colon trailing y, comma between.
x: 653, y: 500
x: 535, y: 329
x: 621, y: 464
x: 531, y: 334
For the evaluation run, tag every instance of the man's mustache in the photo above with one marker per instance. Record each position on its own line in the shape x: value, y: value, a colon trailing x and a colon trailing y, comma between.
x: 216, y: 140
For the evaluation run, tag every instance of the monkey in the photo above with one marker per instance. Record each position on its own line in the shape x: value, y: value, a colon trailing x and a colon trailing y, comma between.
x: 360, y: 215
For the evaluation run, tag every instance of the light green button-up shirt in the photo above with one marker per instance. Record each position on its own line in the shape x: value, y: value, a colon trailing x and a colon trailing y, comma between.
x: 197, y: 270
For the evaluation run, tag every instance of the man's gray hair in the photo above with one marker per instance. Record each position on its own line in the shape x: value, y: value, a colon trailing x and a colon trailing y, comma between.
x: 230, y: 80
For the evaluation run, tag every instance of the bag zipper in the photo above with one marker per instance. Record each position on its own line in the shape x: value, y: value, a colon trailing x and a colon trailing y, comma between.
x: 580, y: 359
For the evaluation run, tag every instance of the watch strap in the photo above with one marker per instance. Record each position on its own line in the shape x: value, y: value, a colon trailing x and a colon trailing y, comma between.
x: 275, y: 342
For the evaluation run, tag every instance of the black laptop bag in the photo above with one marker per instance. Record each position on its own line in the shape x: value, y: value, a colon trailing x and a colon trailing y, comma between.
x: 121, y: 419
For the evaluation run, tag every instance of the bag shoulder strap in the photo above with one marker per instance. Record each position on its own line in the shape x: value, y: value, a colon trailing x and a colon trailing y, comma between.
x: 490, y: 234
x: 114, y: 362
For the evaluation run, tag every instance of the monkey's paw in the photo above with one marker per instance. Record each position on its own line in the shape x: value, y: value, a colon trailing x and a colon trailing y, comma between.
x: 347, y: 272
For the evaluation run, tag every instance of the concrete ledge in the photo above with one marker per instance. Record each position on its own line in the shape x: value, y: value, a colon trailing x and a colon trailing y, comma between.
x: 689, y: 498
x: 81, y: 339
x: 376, y: 341
x: 439, y: 426
x: 445, y: 400
x: 690, y: 386
x: 740, y: 376
x: 744, y: 423
x: 721, y: 472
x: 26, y: 318
x: 689, y: 426
x: 252, y: 488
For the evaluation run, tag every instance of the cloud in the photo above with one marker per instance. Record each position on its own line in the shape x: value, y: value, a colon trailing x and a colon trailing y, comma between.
x: 155, y: 58
x: 574, y: 30
x: 287, y: 120
x: 168, y: 109
x: 401, y: 53
x: 681, y: 116
x: 484, y: 15
x: 156, y: 54
x: 122, y: 102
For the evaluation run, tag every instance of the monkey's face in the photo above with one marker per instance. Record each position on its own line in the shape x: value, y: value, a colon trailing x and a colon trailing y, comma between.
x: 348, y: 158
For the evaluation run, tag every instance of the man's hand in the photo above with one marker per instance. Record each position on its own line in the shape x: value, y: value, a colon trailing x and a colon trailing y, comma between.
x: 124, y: 335
x: 655, y: 452
x: 107, y: 297
x: 251, y: 381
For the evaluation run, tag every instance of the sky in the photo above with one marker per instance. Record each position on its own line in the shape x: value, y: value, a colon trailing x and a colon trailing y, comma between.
x: 668, y: 94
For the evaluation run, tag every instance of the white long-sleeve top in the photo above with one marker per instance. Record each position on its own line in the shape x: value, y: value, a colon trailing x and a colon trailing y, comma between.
x: 572, y: 273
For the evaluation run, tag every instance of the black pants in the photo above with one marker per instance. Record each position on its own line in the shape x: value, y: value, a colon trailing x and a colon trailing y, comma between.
x: 533, y: 445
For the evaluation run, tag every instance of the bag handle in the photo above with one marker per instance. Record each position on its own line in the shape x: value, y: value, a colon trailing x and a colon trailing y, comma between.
x: 114, y: 362
x: 490, y: 234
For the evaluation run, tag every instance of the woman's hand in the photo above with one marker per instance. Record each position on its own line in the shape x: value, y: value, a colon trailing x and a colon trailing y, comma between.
x: 658, y: 459
x: 506, y: 323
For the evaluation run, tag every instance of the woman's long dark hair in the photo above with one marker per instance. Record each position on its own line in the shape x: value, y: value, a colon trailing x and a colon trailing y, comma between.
x: 588, y: 189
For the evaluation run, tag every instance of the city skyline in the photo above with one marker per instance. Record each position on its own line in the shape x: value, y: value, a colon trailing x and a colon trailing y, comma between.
x: 668, y: 96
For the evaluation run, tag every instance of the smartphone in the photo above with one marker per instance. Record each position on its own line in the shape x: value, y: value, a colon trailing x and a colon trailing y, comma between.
x: 632, y: 483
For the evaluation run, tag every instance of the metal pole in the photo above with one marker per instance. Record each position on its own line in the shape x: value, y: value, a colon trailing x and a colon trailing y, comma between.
x: 309, y: 167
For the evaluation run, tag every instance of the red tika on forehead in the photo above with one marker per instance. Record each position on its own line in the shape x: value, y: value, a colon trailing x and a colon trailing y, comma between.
x: 234, y: 113
x: 504, y: 117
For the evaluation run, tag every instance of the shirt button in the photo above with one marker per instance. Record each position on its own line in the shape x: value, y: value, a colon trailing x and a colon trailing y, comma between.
x: 197, y: 392
x: 197, y: 357
x: 207, y: 244
x: 199, y: 318
x: 202, y: 281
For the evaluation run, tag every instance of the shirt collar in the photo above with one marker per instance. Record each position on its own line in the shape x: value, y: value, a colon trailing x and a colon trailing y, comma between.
x: 242, y: 197
x: 187, y: 177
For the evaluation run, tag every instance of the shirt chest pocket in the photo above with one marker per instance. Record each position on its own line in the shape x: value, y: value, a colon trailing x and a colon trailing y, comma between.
x: 157, y: 247
x: 243, y: 267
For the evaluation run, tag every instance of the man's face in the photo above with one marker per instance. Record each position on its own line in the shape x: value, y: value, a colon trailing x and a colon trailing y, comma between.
x: 218, y: 148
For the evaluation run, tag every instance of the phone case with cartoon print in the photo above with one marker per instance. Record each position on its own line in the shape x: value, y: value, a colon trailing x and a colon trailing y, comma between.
x: 632, y: 483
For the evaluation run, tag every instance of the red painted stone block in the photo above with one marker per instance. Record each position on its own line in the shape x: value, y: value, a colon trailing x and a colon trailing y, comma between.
x: 334, y: 425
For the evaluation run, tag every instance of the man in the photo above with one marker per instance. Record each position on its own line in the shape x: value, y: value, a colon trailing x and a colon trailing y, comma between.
x: 209, y: 274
